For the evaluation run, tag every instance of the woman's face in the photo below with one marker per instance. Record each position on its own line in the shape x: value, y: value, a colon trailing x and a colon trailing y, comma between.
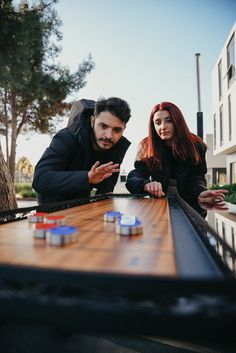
x: 163, y: 125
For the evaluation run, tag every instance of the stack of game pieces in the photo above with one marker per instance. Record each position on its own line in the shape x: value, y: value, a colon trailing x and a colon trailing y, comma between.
x: 62, y: 235
x: 37, y: 217
x: 128, y: 225
x: 41, y: 230
x: 53, y: 227
x: 112, y: 216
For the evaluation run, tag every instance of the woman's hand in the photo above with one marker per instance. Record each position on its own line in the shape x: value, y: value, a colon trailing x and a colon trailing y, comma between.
x: 154, y: 188
x: 213, y: 199
x: 100, y: 172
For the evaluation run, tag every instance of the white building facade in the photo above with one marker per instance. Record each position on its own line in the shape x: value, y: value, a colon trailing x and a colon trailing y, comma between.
x: 216, y: 164
x: 224, y: 104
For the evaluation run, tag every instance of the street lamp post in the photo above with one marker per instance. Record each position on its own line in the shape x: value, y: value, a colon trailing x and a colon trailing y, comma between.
x: 199, y: 113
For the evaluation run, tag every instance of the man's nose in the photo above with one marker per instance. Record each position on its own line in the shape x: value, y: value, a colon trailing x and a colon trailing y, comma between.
x: 109, y: 133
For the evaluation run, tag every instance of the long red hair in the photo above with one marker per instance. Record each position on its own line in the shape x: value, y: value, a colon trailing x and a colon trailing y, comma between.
x: 184, y: 143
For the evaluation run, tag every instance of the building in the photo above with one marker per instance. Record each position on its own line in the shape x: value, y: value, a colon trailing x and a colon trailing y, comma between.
x: 216, y: 165
x: 224, y: 105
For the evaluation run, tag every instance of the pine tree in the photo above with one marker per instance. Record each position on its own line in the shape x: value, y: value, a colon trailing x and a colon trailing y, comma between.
x: 33, y: 87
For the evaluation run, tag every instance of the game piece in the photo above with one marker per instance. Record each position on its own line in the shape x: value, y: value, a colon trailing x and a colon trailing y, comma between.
x: 56, y: 219
x: 112, y: 216
x: 37, y: 217
x: 41, y: 230
x: 63, y: 235
x: 128, y: 225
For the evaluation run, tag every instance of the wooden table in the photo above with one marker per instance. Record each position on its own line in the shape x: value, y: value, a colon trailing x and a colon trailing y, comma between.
x: 99, y: 248
x: 144, y: 283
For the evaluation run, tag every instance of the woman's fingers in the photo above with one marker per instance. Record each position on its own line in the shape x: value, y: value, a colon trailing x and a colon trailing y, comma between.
x: 154, y: 188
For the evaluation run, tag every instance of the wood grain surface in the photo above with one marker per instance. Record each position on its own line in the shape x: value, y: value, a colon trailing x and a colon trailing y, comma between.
x: 98, y: 248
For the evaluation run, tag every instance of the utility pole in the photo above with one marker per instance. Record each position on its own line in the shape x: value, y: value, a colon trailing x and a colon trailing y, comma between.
x: 199, y: 113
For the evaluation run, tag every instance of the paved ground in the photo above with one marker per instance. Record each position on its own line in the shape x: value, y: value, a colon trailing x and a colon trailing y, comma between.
x: 26, y: 203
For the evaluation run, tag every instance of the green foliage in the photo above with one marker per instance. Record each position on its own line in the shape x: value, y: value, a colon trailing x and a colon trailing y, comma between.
x: 20, y: 187
x: 24, y: 166
x: 33, y: 86
x: 28, y: 43
x: 230, y: 187
x: 30, y: 193
x: 231, y: 196
x: 24, y: 190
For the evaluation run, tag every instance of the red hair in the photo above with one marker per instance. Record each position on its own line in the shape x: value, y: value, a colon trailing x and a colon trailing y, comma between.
x: 184, y: 143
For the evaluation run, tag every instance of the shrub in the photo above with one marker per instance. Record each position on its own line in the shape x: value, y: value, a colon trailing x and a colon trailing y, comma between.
x: 22, y: 187
x: 230, y: 187
x: 231, y: 198
x: 30, y: 193
x: 24, y: 190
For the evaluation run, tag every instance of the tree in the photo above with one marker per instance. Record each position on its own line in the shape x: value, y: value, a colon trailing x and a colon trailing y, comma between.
x: 8, y: 198
x: 33, y: 87
x: 25, y: 169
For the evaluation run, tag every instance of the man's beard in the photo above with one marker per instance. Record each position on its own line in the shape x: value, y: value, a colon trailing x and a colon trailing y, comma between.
x: 95, y: 143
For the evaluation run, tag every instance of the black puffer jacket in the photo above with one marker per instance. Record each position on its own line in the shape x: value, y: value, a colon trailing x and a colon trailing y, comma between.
x: 190, y: 177
x: 62, y: 172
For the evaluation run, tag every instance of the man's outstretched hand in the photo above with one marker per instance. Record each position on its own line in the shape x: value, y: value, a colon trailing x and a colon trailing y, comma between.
x: 100, y: 172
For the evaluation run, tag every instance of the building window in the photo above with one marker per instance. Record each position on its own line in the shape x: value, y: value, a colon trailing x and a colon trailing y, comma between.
x: 233, y: 173
x: 230, y: 117
x: 214, y: 137
x: 219, y: 176
x: 231, y: 61
x: 217, y: 231
x: 223, y: 231
x: 221, y: 125
x: 217, y: 226
x: 233, y: 237
x: 220, y: 79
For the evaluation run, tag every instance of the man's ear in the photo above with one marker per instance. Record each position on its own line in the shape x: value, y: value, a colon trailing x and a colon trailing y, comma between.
x: 92, y: 120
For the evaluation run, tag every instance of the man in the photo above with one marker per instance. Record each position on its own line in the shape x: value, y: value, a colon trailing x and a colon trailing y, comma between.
x: 85, y: 155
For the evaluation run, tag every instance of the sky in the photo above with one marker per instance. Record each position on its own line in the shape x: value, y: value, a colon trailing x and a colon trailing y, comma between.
x: 144, y: 52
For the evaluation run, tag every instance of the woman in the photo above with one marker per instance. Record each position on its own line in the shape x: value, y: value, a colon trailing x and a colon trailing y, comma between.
x: 172, y: 153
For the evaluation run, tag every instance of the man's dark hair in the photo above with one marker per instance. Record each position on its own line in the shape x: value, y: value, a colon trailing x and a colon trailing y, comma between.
x: 115, y: 106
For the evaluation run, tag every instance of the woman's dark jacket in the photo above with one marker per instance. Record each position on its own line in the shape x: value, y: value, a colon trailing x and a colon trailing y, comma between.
x: 190, y: 177
x: 62, y: 172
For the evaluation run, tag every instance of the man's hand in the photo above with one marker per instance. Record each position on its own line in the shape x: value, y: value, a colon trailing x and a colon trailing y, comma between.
x: 154, y: 188
x: 100, y: 172
x: 212, y: 199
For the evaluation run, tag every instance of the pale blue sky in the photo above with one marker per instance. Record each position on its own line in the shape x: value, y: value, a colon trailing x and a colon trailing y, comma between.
x: 144, y: 52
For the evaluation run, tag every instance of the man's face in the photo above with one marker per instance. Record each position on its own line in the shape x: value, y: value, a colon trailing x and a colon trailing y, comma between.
x: 107, y: 129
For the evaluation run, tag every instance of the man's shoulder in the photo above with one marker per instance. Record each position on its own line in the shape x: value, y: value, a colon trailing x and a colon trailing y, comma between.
x: 122, y: 145
x: 64, y: 133
x: 66, y: 136
x: 124, y: 141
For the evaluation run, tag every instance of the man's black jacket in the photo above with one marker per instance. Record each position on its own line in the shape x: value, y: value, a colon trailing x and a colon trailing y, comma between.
x: 62, y: 172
